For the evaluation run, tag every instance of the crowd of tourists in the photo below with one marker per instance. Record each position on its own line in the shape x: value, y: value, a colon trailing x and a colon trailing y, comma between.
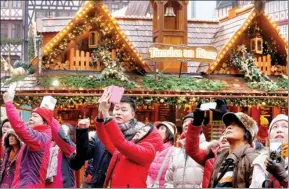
x: 125, y: 153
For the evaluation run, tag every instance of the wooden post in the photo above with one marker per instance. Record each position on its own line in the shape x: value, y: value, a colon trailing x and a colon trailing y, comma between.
x: 113, y: 54
x: 255, y: 114
x: 156, y: 71
x: 275, y: 111
x: 181, y: 69
x: 71, y: 59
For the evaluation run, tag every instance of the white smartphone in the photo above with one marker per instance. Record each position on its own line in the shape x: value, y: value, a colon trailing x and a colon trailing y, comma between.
x: 208, y: 106
x: 48, y: 102
x: 12, y: 87
x: 275, y: 150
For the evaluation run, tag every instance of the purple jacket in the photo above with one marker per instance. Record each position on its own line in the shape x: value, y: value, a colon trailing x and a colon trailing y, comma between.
x: 4, y: 166
x: 32, y: 160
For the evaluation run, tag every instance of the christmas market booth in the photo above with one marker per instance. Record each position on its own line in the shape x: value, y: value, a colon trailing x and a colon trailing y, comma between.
x: 83, y: 54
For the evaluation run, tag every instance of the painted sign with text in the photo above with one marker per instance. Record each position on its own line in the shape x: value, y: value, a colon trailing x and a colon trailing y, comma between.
x: 166, y: 52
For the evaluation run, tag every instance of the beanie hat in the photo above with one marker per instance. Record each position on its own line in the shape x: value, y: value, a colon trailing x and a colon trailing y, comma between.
x: 190, y: 115
x: 45, y: 113
x: 6, y: 139
x: 278, y: 118
x: 169, y: 125
x: 264, y: 120
x: 244, y: 120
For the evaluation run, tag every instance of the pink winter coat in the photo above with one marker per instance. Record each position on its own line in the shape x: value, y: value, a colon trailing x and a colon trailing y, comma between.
x: 65, y: 177
x: 156, y: 165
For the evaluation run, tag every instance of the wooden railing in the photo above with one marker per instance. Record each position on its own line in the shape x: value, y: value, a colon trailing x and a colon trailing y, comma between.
x: 264, y: 64
x: 79, y: 60
x: 216, y: 130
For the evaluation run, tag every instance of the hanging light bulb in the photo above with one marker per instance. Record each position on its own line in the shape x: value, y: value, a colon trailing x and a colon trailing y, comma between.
x: 170, y: 10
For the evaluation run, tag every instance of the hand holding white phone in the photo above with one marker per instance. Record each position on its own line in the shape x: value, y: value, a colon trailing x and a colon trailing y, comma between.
x: 48, y: 102
x: 10, y: 93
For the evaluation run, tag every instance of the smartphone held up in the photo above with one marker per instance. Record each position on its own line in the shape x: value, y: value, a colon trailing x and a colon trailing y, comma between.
x: 275, y: 150
x: 48, y: 102
x: 116, y: 93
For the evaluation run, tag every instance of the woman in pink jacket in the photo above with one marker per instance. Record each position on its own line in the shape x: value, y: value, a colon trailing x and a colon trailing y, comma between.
x: 159, y: 166
x: 60, y: 175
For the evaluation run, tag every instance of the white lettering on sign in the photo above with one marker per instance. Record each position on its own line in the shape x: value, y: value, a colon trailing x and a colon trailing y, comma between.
x: 171, y: 52
x: 189, y: 53
x: 202, y: 53
x: 186, y: 53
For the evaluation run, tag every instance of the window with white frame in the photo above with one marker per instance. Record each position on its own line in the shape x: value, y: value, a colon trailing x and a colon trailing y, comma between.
x: 4, y: 4
x: 277, y: 7
x: 270, y: 7
x: 4, y: 30
x: 16, y: 4
x: 15, y: 31
x: 284, y: 30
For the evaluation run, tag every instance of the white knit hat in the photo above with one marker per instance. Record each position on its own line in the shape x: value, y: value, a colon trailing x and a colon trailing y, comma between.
x: 278, y: 118
x: 171, y: 126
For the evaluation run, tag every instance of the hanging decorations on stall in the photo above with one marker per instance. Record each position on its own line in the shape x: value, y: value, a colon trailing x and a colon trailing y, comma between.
x: 261, y: 44
x: 103, y: 37
x: 256, y: 42
x: 65, y: 101
x: 244, y: 60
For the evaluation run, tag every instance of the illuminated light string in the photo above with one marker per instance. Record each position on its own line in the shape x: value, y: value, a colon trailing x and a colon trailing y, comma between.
x: 62, y: 43
x: 243, y: 28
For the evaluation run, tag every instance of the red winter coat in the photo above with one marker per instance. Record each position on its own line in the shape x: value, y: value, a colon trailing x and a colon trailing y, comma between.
x: 130, y: 162
x: 201, y: 156
x: 33, y: 157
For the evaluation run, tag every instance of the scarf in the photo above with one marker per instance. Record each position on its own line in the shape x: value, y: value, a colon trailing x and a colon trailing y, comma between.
x: 53, y: 162
x: 130, y: 128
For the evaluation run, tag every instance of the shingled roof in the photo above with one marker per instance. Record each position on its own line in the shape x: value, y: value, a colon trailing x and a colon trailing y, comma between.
x: 227, y: 29
x: 138, y: 29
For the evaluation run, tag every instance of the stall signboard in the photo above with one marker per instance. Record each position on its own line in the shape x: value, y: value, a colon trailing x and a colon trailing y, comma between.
x: 167, y: 52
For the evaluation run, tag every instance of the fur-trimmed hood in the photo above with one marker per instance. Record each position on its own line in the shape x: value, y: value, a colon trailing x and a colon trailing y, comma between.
x: 6, y: 138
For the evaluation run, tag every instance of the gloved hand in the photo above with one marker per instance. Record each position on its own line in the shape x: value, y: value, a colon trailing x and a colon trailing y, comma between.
x: 198, y: 117
x: 221, y: 107
x: 277, y: 170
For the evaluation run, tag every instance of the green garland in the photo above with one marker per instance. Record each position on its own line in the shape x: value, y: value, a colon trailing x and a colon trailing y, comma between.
x: 6, y: 41
x: 183, y: 83
x: 73, y: 101
x: 90, y: 82
x: 283, y: 83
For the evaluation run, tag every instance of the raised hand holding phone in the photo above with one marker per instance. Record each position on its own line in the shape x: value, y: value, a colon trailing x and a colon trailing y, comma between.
x: 48, y: 102
x: 104, y: 103
x: 10, y: 93
x: 84, y: 123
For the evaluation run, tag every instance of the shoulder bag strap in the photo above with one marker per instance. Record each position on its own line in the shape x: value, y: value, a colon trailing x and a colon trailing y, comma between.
x: 163, y: 166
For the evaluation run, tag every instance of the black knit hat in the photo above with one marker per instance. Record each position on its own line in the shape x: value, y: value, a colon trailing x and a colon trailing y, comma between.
x: 190, y: 115
x: 2, y: 123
